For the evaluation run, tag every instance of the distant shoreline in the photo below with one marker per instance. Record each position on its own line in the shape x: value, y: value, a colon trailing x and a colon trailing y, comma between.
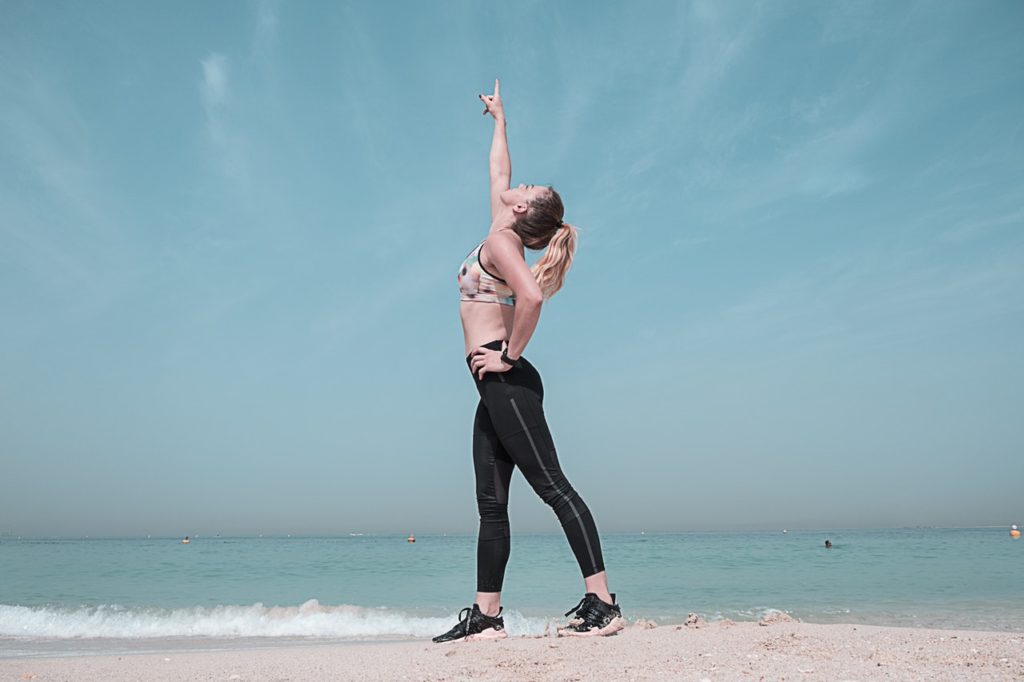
x: 403, y: 534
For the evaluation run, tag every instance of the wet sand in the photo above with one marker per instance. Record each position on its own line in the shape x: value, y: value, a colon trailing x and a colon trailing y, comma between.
x: 717, y: 651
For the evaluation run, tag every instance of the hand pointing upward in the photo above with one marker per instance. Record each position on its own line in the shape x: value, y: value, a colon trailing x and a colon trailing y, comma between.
x: 492, y: 103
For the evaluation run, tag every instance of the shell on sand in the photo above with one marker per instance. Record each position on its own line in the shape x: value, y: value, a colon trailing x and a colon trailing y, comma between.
x: 693, y: 621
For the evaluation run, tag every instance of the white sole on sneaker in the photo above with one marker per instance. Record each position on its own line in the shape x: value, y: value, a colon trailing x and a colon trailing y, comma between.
x: 617, y: 624
x: 485, y: 635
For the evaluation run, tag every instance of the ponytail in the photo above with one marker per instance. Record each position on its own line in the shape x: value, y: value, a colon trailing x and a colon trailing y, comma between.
x: 542, y: 227
x: 551, y: 268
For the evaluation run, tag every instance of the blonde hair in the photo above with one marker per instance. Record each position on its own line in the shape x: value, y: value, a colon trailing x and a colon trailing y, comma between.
x: 542, y: 227
x: 557, y: 259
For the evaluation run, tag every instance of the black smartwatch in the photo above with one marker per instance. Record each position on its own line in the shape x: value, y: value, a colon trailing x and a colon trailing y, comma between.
x: 507, y: 360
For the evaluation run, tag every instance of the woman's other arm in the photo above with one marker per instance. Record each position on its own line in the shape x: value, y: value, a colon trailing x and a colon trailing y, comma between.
x: 500, y: 164
x: 505, y: 252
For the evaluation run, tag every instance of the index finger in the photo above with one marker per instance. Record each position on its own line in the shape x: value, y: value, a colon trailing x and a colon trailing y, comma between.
x: 497, y: 87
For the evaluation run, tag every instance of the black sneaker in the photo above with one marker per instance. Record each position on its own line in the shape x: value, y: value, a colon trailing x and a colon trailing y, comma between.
x: 593, y: 618
x: 474, y: 625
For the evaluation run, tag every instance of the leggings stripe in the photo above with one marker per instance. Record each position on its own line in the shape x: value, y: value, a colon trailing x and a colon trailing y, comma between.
x: 551, y: 482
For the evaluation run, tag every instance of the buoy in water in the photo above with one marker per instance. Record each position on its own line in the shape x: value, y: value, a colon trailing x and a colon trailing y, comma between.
x: 1014, y: 533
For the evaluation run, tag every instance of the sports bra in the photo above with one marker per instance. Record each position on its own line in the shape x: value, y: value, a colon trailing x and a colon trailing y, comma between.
x: 476, y: 284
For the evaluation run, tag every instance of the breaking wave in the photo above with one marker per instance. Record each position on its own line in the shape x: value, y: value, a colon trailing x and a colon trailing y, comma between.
x: 311, y: 619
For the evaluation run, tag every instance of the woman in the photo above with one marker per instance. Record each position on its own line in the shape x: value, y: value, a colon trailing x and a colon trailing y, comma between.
x: 501, y: 301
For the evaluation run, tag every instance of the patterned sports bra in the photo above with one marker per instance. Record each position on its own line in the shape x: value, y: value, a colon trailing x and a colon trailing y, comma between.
x: 476, y: 284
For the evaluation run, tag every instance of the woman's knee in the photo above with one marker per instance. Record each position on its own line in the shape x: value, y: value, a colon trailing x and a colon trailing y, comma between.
x: 557, y: 492
x: 492, y: 510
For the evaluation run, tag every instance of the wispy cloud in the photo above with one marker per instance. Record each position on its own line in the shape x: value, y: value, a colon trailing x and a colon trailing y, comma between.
x: 860, y: 303
x: 215, y: 82
x: 727, y: 148
x: 266, y: 21
x: 45, y: 131
x: 265, y: 40
x: 228, y: 144
x: 974, y: 228
x: 59, y: 222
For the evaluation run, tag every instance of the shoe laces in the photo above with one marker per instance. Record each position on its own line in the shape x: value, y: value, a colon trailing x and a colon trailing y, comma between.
x: 466, y: 618
x: 465, y: 615
x: 585, y: 609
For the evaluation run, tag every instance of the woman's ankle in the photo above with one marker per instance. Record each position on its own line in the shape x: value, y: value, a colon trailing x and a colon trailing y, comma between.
x: 598, y: 584
x: 489, y: 603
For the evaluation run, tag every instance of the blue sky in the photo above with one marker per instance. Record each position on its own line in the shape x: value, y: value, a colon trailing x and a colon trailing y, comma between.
x: 229, y: 235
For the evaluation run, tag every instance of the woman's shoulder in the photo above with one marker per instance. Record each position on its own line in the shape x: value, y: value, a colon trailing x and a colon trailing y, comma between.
x: 503, y: 238
x: 500, y: 245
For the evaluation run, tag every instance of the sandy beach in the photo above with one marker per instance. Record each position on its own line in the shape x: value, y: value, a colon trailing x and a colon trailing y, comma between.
x: 716, y: 651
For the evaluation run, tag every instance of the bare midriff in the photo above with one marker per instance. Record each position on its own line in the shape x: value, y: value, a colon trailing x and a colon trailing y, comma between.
x: 483, y: 322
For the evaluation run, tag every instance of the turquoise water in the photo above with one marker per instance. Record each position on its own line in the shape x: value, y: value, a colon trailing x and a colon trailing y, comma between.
x: 382, y: 586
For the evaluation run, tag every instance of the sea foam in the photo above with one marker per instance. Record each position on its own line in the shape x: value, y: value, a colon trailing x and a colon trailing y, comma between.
x: 311, y: 619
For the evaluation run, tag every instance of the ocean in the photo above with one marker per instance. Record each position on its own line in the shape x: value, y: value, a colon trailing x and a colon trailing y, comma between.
x: 65, y: 596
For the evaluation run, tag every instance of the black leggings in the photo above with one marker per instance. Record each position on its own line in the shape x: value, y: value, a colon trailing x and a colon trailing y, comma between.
x: 510, y: 431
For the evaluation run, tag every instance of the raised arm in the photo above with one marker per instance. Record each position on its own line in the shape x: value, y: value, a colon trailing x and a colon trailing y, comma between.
x: 500, y: 164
